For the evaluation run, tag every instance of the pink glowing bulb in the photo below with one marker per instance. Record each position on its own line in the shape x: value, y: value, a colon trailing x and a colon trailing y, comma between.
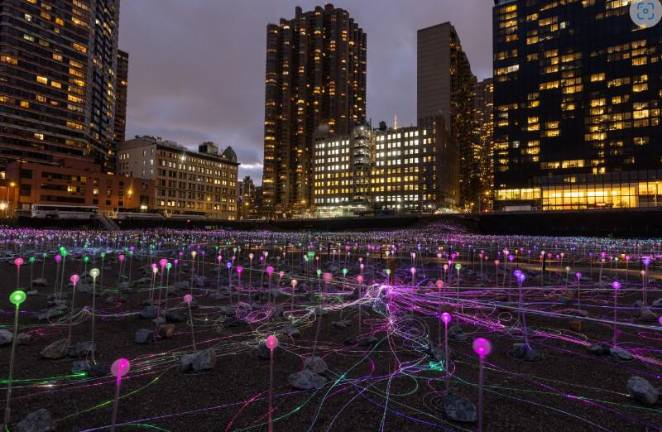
x: 445, y: 267
x: 163, y: 262
x: 446, y: 318
x: 281, y: 274
x: 188, y: 298
x: 482, y: 347
x: 294, y: 283
x: 497, y: 262
x: 120, y: 368
x: 155, y: 269
x: 240, y: 269
x: 121, y: 258
x: 359, y: 279
x: 616, y: 285
x: 271, y: 342
x: 327, y: 277
x: 18, y: 262
x: 269, y: 270
x: 251, y: 256
x: 439, y: 284
x: 74, y: 279
x: 219, y: 258
x: 58, y: 259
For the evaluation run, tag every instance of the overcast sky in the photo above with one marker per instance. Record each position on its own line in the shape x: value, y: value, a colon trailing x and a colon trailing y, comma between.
x: 196, y: 70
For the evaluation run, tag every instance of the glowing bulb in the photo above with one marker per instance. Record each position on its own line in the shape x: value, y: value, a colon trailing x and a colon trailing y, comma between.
x: 120, y: 367
x: 17, y: 297
x: 482, y: 347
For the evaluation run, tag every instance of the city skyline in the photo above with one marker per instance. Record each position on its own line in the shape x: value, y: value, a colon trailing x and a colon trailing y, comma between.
x: 189, y: 106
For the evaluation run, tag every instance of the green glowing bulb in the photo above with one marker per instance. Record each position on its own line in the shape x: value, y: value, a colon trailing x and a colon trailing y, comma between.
x: 103, y: 255
x: 458, y: 266
x: 344, y: 272
x: 168, y: 266
x: 32, y: 260
x: 17, y: 297
x: 86, y: 259
x: 319, y: 272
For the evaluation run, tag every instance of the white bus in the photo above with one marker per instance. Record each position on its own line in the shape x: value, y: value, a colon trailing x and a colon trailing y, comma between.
x: 63, y: 211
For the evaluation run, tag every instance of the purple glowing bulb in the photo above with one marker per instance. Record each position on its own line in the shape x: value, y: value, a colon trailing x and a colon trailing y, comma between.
x: 58, y: 258
x: 271, y: 342
x: 120, y: 368
x: 482, y: 347
x: 269, y: 270
x: 240, y: 269
x: 446, y: 318
x: 578, y: 275
x: 616, y: 285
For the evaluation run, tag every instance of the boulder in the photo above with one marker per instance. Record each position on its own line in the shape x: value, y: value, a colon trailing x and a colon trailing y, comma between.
x: 81, y: 349
x: 306, y: 380
x: 144, y: 336
x: 524, y: 352
x: 198, y: 361
x: 55, y: 350
x: 642, y: 391
x: 599, y: 349
x: 166, y: 331
x: 456, y: 333
x: 149, y: 312
x: 315, y: 364
x: 620, y: 353
x: 6, y: 337
x: 174, y: 316
x: 37, y: 421
x: 459, y: 409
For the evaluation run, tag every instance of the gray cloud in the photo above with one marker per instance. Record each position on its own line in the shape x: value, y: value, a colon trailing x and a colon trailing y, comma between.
x: 196, y: 69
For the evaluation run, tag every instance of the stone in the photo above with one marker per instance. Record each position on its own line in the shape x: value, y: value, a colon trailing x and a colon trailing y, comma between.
x: 6, y: 337
x: 24, y: 338
x: 40, y: 282
x: 620, y: 353
x: 646, y: 314
x: 456, y: 333
x: 198, y: 361
x: 149, y: 312
x: 175, y: 316
x: 144, y: 336
x: 84, y: 288
x: 55, y: 350
x: 436, y: 354
x: 524, y: 352
x: 315, y: 364
x: 166, y: 331
x: 642, y: 391
x: 599, y: 349
x: 291, y: 330
x: 52, y: 312
x: 306, y: 380
x: 81, y: 349
x: 575, y: 325
x: 37, y: 421
x: 459, y: 409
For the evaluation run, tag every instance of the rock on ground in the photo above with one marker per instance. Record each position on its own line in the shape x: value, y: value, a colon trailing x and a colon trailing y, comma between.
x: 55, y: 350
x: 642, y: 391
x: 306, y: 380
x: 144, y: 336
x: 198, y: 361
x: 459, y: 409
x: 37, y: 421
x: 6, y: 337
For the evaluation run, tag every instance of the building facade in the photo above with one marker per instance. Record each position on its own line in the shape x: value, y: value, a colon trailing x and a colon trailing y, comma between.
x: 76, y: 182
x: 121, y: 99
x: 186, y: 182
x: 58, y: 80
x: 248, y: 204
x: 445, y: 93
x: 483, y: 153
x: 315, y: 74
x: 385, y: 170
x: 577, y: 95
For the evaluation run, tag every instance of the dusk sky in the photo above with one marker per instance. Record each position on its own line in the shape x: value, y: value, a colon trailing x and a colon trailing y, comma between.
x: 196, y: 70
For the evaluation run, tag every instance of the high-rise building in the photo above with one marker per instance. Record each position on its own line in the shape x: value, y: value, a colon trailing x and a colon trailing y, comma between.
x: 121, y: 99
x: 58, y: 79
x: 247, y: 199
x: 483, y: 153
x: 445, y: 91
x: 577, y: 96
x: 186, y: 182
x: 378, y: 170
x: 315, y: 74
